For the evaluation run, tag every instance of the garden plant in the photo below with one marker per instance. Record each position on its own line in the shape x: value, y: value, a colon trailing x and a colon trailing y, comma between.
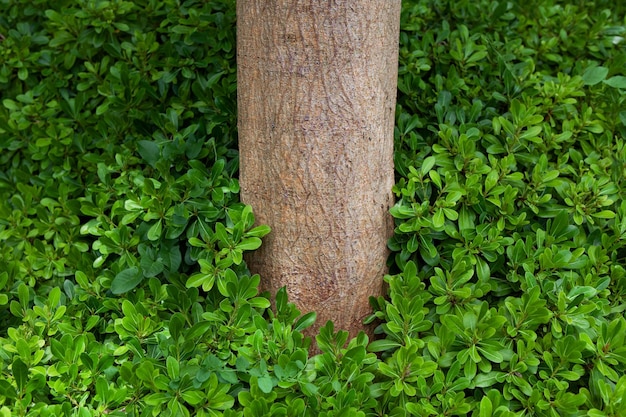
x: 123, y: 288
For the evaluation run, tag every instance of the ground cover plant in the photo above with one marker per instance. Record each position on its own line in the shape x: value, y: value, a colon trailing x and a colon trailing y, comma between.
x: 123, y: 291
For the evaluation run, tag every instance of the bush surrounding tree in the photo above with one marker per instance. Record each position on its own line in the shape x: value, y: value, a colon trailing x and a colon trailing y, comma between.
x: 122, y: 286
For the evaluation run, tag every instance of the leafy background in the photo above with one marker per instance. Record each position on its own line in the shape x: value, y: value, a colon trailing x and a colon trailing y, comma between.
x: 123, y: 291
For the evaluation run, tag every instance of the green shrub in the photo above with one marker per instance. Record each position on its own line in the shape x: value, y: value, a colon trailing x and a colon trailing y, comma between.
x: 122, y: 285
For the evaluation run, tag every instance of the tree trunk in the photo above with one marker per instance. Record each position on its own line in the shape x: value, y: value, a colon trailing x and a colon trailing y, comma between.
x: 316, y: 95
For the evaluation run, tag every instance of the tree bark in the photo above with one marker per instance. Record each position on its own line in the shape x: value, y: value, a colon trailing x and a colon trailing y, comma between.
x: 316, y: 95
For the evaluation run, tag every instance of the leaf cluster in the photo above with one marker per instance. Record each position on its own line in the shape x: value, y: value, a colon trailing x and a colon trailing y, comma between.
x: 509, y: 239
x: 123, y: 288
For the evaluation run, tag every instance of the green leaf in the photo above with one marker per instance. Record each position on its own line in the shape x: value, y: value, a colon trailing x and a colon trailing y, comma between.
x: 383, y: 345
x: 155, y: 230
x: 149, y: 151
x: 594, y: 75
x: 170, y: 255
x: 22, y: 74
x: 4, y: 277
x: 150, y: 267
x: 145, y: 371
x: 427, y: 165
x: 251, y: 243
x: 451, y: 214
x: 258, y: 302
x: 173, y: 367
x: 176, y: 324
x: 439, y: 219
x: 435, y: 177
x: 476, y: 56
x: 126, y: 280
x: 482, y: 269
x: 198, y: 279
x: 82, y: 280
x: 266, y: 384
x: 199, y: 329
x: 305, y: 321
x: 23, y: 349
x: 103, y: 108
x: 7, y: 390
x: 486, y: 408
x: 259, y: 231
x: 531, y: 132
x: 236, y: 256
x: 10, y: 104
x: 490, y: 355
x: 487, y: 380
x: 221, y: 233
x: 604, y: 214
x: 194, y: 397
x: 491, y: 180
x: 617, y: 81
x: 23, y: 294
x: 20, y: 373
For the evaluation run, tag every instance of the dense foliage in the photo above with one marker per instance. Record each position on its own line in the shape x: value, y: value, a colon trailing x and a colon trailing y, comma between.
x: 122, y: 286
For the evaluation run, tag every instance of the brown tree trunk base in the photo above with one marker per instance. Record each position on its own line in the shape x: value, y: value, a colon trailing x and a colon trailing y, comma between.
x: 316, y: 92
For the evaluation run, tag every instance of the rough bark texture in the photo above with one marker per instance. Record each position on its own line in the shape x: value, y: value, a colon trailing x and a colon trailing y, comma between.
x: 316, y: 92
